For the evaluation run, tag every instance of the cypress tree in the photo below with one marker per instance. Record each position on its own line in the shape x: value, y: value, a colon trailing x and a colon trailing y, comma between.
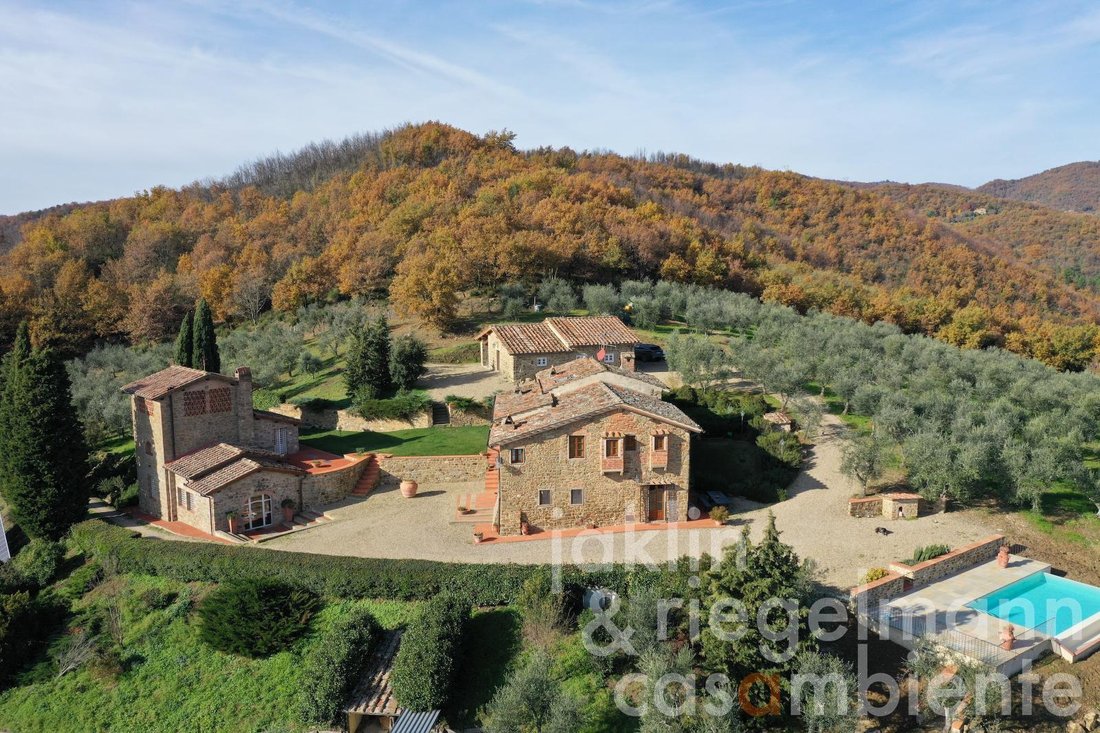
x: 205, y: 350
x: 355, y: 373
x: 44, y: 474
x: 185, y: 342
x: 377, y: 357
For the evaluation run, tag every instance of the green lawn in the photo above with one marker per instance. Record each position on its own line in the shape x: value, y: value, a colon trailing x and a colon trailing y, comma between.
x: 443, y: 441
x: 120, y: 444
x: 468, y: 352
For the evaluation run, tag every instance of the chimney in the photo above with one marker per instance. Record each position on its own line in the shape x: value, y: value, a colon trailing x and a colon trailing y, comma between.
x: 245, y: 417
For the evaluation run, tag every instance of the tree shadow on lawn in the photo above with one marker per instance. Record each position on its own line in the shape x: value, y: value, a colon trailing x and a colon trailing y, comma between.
x: 491, y: 643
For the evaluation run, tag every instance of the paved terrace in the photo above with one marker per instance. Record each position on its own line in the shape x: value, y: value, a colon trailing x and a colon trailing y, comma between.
x: 939, y: 612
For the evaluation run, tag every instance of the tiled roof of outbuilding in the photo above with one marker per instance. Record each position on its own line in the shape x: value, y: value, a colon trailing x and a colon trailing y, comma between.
x: 556, y: 376
x: 211, y: 469
x: 558, y: 335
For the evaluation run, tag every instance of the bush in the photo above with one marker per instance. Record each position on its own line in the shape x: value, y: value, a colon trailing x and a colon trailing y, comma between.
x: 929, y: 552
x: 874, y: 574
x: 401, y: 407
x: 334, y: 666
x: 25, y: 623
x: 255, y: 618
x: 424, y: 671
x: 784, y: 447
x: 336, y: 576
x: 39, y: 561
x: 265, y: 399
x: 314, y: 404
x: 407, y: 357
x: 720, y: 514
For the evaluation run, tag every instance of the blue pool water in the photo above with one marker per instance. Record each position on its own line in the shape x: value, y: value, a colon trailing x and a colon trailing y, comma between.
x: 1043, y: 602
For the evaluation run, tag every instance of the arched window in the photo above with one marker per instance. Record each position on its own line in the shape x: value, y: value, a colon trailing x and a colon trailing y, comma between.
x: 258, y: 511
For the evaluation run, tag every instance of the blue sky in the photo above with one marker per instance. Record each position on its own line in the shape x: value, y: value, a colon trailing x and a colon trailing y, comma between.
x: 104, y: 99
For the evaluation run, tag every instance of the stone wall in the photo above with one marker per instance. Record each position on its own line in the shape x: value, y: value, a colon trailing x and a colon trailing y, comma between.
x: 865, y: 507
x: 428, y: 470
x: 477, y: 415
x: 319, y: 489
x: 278, y: 485
x: 953, y: 562
x: 871, y: 594
x: 518, y: 367
x: 346, y: 420
x: 607, y: 498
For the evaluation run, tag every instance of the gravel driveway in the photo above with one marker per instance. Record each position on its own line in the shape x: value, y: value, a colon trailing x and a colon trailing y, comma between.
x: 814, y: 520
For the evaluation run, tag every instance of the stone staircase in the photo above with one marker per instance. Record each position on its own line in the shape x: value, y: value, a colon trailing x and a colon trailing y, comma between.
x: 480, y: 507
x: 441, y: 414
x: 368, y: 480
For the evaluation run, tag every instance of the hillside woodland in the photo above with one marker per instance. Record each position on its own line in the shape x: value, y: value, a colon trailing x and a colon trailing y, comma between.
x: 1073, y: 187
x: 431, y: 213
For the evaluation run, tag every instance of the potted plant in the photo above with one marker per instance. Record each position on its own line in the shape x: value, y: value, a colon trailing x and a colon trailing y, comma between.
x: 408, y: 488
x: 479, y: 537
x: 1002, y: 556
x: 289, y: 509
x: 234, y: 522
x: 524, y: 525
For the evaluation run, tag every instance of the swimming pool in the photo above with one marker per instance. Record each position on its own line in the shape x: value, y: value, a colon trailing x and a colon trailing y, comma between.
x: 1044, y: 602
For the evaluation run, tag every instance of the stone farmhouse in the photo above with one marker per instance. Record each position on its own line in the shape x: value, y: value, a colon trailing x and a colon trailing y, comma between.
x: 589, y: 444
x: 519, y: 350
x: 204, y: 454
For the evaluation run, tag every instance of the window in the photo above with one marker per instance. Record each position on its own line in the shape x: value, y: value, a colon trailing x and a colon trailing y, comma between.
x: 221, y: 400
x: 194, y: 403
x: 544, y: 497
x: 518, y: 455
x: 629, y: 443
x: 184, y: 499
x: 660, y: 442
x: 576, y: 446
x: 541, y: 361
x: 611, y: 448
x: 576, y: 496
x: 609, y: 358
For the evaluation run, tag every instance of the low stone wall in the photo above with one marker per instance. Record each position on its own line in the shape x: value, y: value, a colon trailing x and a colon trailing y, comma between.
x: 865, y: 507
x: 953, y: 562
x: 325, y: 488
x: 871, y: 594
x: 346, y: 420
x: 428, y: 470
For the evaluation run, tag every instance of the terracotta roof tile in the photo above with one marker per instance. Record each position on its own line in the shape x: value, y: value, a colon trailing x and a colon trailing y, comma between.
x: 159, y: 384
x: 556, y: 376
x: 278, y: 417
x: 558, y: 335
x: 591, y: 331
x: 210, y: 469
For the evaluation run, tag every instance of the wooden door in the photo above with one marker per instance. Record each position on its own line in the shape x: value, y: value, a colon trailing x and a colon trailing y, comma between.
x: 656, y: 503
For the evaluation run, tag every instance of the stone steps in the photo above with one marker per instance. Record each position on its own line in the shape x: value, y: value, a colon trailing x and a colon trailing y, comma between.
x: 441, y: 415
x: 368, y: 481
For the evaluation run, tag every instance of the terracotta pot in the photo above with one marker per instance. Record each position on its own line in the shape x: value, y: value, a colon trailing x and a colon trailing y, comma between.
x: 1002, y: 556
x: 524, y: 528
x: 408, y: 489
x: 234, y: 525
x: 288, y: 515
x: 478, y: 538
x: 1008, y: 638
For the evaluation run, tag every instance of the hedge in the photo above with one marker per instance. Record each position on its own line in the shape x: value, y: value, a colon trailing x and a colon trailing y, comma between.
x: 403, y: 406
x: 334, y: 665
x: 254, y: 617
x: 428, y: 658
x: 328, y: 575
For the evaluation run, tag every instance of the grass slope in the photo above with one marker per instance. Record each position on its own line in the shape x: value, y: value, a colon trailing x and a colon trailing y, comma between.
x: 456, y: 441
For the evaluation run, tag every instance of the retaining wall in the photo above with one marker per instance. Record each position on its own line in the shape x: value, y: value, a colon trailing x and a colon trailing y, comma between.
x: 427, y: 470
x: 346, y: 420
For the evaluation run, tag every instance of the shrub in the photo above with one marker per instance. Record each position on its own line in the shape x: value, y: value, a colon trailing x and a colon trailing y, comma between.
x: 334, y: 666
x: 38, y: 562
x: 720, y: 514
x: 25, y: 622
x: 921, y: 554
x: 424, y: 671
x: 781, y: 446
x: 314, y: 404
x: 265, y: 399
x: 874, y: 574
x: 495, y: 584
x: 407, y: 357
x: 255, y: 618
x: 401, y: 407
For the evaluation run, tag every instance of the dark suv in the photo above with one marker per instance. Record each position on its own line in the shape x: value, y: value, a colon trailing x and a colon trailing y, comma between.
x: 649, y: 352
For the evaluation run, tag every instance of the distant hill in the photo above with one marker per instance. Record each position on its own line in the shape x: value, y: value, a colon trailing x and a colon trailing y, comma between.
x: 429, y: 213
x: 1073, y: 187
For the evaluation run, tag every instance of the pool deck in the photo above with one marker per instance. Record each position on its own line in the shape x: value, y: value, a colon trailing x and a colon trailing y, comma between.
x: 939, y: 611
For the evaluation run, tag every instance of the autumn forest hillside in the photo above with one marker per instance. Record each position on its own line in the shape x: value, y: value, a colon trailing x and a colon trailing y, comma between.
x: 1073, y: 187
x: 429, y: 214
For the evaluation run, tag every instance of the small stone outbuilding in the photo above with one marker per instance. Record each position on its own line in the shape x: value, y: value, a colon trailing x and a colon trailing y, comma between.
x: 519, y: 350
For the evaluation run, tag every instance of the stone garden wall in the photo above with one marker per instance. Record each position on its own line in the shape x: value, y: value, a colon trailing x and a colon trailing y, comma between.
x: 346, y: 420
x: 865, y: 507
x: 319, y: 489
x: 428, y: 470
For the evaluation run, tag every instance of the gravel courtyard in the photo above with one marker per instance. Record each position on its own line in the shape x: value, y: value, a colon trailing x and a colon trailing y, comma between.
x: 814, y: 521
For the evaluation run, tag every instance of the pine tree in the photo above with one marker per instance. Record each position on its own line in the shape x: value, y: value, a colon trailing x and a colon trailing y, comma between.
x: 185, y: 342
x: 205, y: 350
x: 44, y: 473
